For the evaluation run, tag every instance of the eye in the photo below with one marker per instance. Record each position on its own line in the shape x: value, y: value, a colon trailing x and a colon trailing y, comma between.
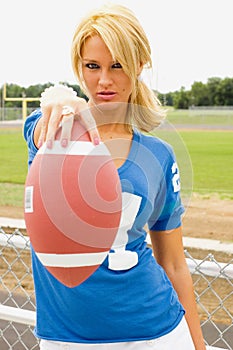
x: 117, y: 65
x: 92, y: 65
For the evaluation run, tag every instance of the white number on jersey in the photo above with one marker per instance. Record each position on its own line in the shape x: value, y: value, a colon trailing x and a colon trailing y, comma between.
x: 122, y: 259
x: 176, y: 177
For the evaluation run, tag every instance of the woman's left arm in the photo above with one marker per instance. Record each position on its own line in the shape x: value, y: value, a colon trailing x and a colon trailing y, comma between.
x: 169, y: 252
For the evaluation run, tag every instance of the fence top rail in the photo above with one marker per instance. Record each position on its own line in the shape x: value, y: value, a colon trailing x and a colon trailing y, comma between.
x: 15, y: 240
x: 209, y: 268
x: 12, y: 223
x: 189, y: 242
x: 14, y: 314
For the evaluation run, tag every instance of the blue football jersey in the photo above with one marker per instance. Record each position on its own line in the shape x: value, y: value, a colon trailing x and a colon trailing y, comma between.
x: 129, y: 297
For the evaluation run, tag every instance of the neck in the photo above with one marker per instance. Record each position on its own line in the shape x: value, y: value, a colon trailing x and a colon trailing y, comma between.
x: 111, y: 114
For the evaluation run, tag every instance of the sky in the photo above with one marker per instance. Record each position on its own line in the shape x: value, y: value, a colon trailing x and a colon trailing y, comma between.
x: 191, y: 40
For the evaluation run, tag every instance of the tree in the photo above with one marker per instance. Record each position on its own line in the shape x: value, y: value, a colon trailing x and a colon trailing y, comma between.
x: 166, y: 99
x: 213, y: 85
x: 182, y: 99
x: 225, y: 92
x: 14, y: 90
x: 199, y: 94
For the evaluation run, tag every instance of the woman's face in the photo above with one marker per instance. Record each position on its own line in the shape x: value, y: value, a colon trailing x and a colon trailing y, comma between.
x: 105, y: 79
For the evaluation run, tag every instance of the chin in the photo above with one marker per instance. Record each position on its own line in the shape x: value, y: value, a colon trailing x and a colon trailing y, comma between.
x: 111, y: 106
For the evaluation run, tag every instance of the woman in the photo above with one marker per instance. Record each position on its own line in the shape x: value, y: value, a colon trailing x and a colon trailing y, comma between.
x: 147, y: 302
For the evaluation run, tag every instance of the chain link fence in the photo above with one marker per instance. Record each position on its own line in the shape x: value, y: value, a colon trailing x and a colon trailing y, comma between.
x: 212, y: 282
x: 13, y: 113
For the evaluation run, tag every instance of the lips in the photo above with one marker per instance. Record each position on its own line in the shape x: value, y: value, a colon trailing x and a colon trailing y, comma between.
x: 106, y: 95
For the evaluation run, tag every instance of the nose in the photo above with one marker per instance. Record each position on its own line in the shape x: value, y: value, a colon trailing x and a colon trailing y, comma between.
x: 105, y: 78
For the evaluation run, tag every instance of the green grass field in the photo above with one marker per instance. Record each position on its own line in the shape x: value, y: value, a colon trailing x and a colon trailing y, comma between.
x: 13, y: 167
x: 205, y: 159
x: 214, y: 117
x: 13, y: 156
x: 211, y: 154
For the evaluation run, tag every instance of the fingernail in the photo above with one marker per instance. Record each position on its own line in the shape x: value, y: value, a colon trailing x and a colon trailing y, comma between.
x: 64, y: 142
x: 49, y: 144
x: 40, y: 142
x: 96, y: 141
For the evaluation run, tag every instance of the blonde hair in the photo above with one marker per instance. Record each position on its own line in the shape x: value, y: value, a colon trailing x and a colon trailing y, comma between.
x: 128, y: 44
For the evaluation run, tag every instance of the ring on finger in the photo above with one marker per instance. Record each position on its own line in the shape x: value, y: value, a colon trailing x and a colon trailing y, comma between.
x: 67, y: 110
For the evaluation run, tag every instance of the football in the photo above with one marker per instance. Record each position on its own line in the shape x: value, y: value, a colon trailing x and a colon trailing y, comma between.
x: 73, y: 206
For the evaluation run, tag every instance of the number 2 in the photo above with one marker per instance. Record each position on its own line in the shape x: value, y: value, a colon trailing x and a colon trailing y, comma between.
x: 176, y: 177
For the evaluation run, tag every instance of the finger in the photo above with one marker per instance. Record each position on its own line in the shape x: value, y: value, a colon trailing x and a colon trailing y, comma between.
x: 94, y: 136
x: 53, y: 125
x: 88, y: 121
x: 44, y: 126
x: 67, y: 123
